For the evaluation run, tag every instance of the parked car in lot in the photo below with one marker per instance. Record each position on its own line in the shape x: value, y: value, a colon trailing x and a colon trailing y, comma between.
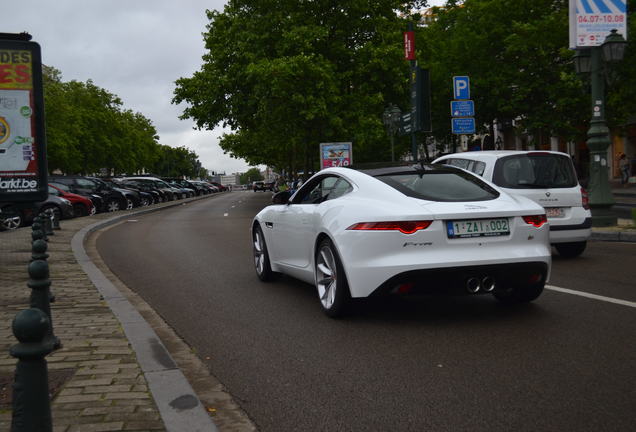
x: 546, y: 177
x: 219, y: 186
x: 192, y: 188
x: 423, y: 228
x: 97, y: 200
x: 156, y: 196
x: 82, y: 206
x: 16, y: 215
x: 168, y: 193
x: 112, y: 200
x: 132, y: 198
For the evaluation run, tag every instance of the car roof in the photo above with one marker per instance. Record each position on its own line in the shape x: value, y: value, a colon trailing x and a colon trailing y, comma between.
x: 496, y: 154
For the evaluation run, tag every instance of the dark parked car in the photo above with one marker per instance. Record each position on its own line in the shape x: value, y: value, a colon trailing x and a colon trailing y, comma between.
x: 168, y: 193
x: 113, y: 199
x: 15, y: 215
x: 142, y: 186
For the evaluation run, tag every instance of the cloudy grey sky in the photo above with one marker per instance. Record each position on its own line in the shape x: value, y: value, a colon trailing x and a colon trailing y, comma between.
x: 135, y: 49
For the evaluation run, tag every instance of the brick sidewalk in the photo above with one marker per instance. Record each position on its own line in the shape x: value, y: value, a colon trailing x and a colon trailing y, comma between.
x: 95, y: 379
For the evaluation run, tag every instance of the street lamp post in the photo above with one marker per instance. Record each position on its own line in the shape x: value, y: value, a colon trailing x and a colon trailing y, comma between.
x: 595, y: 62
x: 392, y: 117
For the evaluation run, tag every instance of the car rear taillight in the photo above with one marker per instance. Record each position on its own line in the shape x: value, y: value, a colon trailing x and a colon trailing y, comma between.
x: 405, y: 227
x: 585, y: 200
x: 535, y: 220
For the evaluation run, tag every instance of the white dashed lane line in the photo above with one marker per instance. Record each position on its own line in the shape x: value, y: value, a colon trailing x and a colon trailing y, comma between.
x: 592, y: 296
x: 225, y: 214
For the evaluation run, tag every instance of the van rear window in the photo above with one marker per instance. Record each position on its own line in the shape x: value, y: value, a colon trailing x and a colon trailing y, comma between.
x: 535, y: 171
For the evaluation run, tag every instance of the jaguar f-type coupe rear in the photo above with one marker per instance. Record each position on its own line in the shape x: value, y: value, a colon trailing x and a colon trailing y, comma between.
x: 423, y: 228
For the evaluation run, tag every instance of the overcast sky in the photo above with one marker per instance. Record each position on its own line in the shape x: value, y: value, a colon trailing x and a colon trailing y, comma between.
x: 135, y: 49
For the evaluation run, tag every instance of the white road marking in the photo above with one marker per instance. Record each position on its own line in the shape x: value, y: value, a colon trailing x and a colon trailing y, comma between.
x: 132, y: 220
x: 225, y: 214
x: 592, y: 296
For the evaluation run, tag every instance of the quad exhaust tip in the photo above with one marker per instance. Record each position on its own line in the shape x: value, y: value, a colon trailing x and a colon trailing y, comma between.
x: 475, y: 284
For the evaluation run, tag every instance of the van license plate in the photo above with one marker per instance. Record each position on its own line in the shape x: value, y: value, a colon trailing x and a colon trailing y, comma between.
x: 554, y: 212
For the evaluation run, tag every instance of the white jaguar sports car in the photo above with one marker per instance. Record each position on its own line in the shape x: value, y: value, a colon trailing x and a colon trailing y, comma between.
x: 422, y: 228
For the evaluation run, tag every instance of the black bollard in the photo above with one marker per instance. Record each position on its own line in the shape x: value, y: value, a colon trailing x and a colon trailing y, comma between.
x: 31, y: 401
x: 38, y: 252
x: 38, y: 229
x: 40, y: 284
x: 48, y: 223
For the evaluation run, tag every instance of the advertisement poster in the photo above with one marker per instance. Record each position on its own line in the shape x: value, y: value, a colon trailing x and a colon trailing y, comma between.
x: 22, y: 178
x: 592, y: 20
x: 335, y: 154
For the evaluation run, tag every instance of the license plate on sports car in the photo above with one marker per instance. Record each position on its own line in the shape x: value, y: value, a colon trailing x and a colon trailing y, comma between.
x: 555, y: 212
x: 477, y: 228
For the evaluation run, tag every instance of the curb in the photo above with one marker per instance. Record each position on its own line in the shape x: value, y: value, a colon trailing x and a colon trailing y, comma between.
x: 615, y: 236
x: 178, y: 404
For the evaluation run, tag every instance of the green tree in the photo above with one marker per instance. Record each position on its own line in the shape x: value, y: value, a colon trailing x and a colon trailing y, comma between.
x: 287, y: 75
x: 252, y: 174
x: 516, y: 55
x: 88, y: 130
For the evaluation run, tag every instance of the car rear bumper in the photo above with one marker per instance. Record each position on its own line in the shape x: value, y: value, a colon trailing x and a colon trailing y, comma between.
x: 571, y: 233
x: 455, y: 280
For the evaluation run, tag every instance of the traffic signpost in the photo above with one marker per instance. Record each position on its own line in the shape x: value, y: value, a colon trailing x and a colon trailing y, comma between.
x: 463, y: 109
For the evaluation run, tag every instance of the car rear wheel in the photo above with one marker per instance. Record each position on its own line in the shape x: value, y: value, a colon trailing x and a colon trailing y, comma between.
x: 331, y: 282
x: 112, y: 205
x: 519, y: 294
x: 570, y: 250
x: 261, y: 256
x: 129, y: 204
x: 10, y: 218
x: 145, y: 202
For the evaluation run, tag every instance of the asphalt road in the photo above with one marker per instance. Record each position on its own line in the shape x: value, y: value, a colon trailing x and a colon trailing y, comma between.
x: 563, y: 363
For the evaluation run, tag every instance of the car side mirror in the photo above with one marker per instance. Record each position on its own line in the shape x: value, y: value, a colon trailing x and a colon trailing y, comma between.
x: 281, y: 197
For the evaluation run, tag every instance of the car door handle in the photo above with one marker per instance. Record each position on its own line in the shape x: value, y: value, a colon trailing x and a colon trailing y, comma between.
x: 269, y: 225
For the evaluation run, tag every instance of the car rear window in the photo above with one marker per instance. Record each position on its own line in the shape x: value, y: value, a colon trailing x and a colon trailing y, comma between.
x: 535, y: 171
x: 440, y: 185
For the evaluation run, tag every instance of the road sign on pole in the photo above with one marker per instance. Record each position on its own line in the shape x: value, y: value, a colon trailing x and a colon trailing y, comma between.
x: 463, y: 125
x: 461, y: 87
x: 462, y: 108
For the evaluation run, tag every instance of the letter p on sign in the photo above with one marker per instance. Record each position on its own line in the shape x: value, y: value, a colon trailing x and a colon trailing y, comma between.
x: 461, y: 87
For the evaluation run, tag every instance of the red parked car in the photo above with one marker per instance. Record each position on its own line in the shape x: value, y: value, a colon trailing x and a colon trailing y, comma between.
x: 82, y: 206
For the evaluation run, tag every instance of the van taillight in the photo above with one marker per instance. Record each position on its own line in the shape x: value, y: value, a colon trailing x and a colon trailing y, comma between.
x: 585, y: 200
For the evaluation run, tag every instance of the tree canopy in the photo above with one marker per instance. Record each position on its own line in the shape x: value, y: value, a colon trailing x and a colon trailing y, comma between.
x: 88, y: 131
x: 287, y: 75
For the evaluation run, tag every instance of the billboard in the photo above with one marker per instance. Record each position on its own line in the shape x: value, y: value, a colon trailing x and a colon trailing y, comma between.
x: 591, y: 21
x: 23, y: 171
x: 335, y: 154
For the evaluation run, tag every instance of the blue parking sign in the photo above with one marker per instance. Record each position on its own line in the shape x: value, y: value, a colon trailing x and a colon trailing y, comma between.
x: 461, y: 87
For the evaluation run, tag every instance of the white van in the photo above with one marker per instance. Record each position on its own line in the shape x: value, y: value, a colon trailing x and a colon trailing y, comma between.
x: 546, y: 177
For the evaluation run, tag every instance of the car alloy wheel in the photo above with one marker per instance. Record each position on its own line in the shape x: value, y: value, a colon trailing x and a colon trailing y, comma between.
x: 145, y: 202
x: 11, y: 222
x: 92, y: 211
x: 261, y: 256
x: 129, y: 204
x: 112, y: 205
x: 331, y: 282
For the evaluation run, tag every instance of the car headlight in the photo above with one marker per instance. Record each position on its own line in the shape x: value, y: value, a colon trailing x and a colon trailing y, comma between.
x: 65, y: 201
